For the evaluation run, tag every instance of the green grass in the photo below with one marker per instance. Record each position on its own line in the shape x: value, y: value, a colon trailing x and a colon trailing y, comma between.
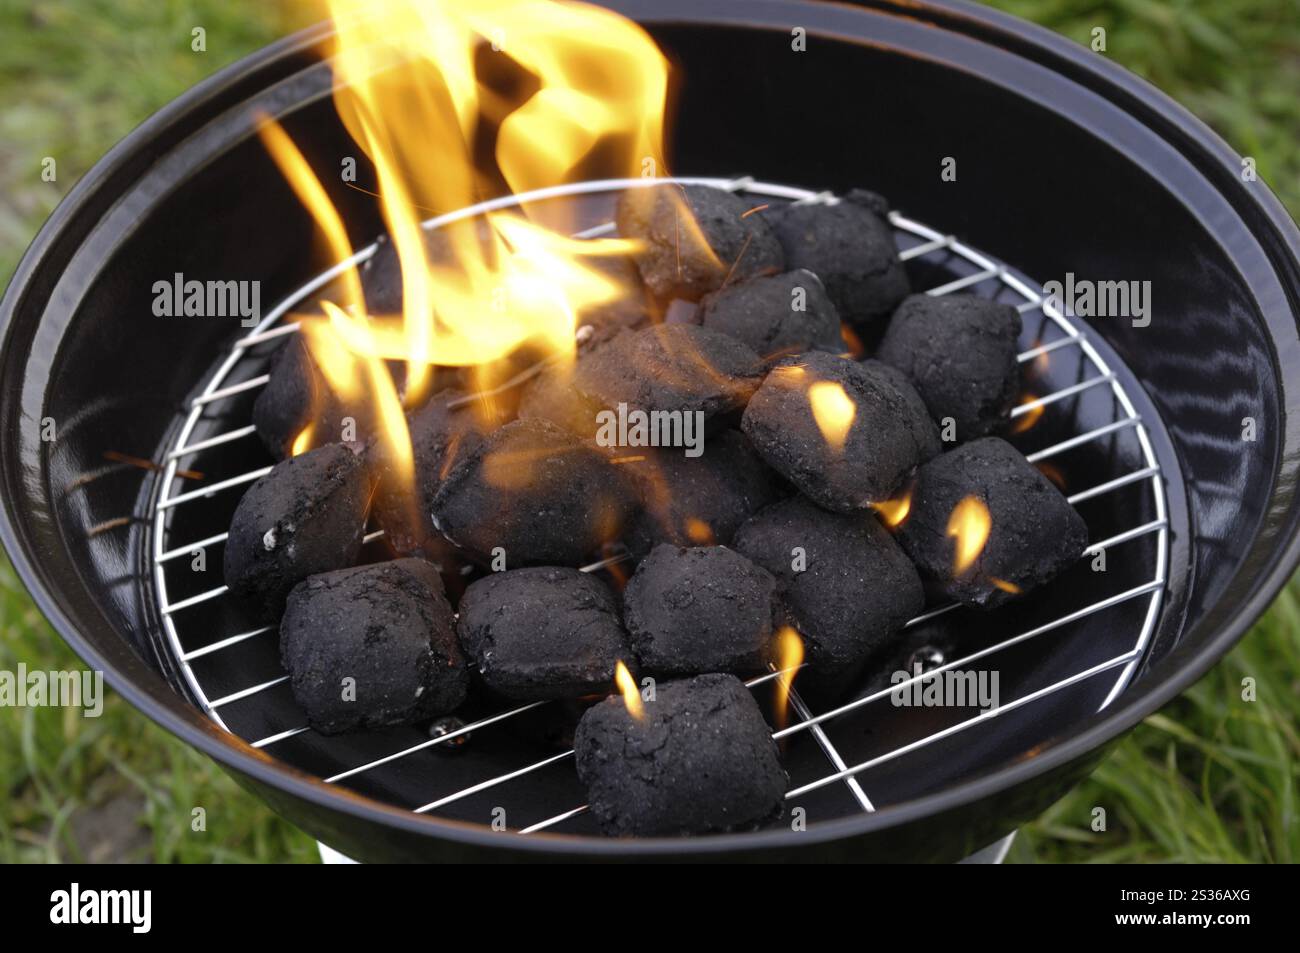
x: 1209, y: 778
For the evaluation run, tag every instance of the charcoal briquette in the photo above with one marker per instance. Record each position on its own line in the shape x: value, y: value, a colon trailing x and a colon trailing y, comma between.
x: 670, y: 367
x: 960, y: 353
x: 536, y: 492
x: 841, y: 468
x: 305, y: 517
x: 387, y: 628
x: 691, y: 501
x: 442, y: 431
x: 543, y: 632
x: 1034, y: 533
x: 850, y: 246
x: 846, y: 584
x: 700, y: 609
x: 776, y: 315
x: 296, y: 397
x: 700, y: 759
x: 695, y: 238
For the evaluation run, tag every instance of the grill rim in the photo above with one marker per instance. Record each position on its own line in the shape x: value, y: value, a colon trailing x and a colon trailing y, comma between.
x: 1270, y: 562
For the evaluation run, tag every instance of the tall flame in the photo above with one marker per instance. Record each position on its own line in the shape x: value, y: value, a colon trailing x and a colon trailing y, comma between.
x: 833, y: 410
x: 453, y: 101
x: 969, y: 524
x: 628, y: 688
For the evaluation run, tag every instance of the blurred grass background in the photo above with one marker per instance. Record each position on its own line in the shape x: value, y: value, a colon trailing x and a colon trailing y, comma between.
x: 1211, y: 778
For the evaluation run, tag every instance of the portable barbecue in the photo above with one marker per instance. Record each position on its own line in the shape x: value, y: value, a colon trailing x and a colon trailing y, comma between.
x: 1065, y: 164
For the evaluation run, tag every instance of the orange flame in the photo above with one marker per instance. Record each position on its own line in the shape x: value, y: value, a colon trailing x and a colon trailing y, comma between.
x: 893, y: 512
x: 1052, y: 472
x: 1029, y: 417
x: 789, y: 654
x: 1005, y: 586
x: 699, y: 532
x: 853, y: 343
x: 969, y: 525
x: 412, y: 90
x: 631, y: 694
x: 833, y: 410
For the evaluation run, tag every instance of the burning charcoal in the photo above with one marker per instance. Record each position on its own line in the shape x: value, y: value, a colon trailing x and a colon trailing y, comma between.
x: 705, y: 609
x: 296, y: 397
x: 846, y: 584
x: 543, y: 633
x: 700, y: 501
x: 698, y: 758
x: 538, y: 493
x: 986, y: 525
x: 551, y: 395
x: 850, y: 246
x: 960, y: 352
x: 629, y: 310
x: 390, y: 629
x: 440, y: 435
x: 695, y: 239
x: 381, y: 275
x: 670, y: 367
x: 844, y: 433
x: 776, y: 315
x: 304, y: 517
x: 915, y: 406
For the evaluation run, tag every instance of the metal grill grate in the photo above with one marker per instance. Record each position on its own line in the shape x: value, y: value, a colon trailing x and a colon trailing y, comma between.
x: 917, y: 242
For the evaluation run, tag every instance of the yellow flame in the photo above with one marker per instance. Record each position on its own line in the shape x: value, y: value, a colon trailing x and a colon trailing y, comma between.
x: 969, y: 525
x: 419, y: 87
x: 631, y: 694
x: 1005, y: 586
x: 1029, y: 417
x: 789, y: 656
x: 412, y: 95
x: 893, y: 512
x: 302, y: 442
x: 833, y: 410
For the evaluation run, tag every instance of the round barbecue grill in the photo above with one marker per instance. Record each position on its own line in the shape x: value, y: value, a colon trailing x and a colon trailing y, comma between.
x: 1142, y: 426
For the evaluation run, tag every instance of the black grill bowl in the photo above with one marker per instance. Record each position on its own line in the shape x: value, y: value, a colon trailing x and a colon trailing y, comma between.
x: 1065, y: 163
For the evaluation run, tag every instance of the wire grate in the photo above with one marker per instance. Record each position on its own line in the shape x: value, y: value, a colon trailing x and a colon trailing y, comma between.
x: 917, y: 242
